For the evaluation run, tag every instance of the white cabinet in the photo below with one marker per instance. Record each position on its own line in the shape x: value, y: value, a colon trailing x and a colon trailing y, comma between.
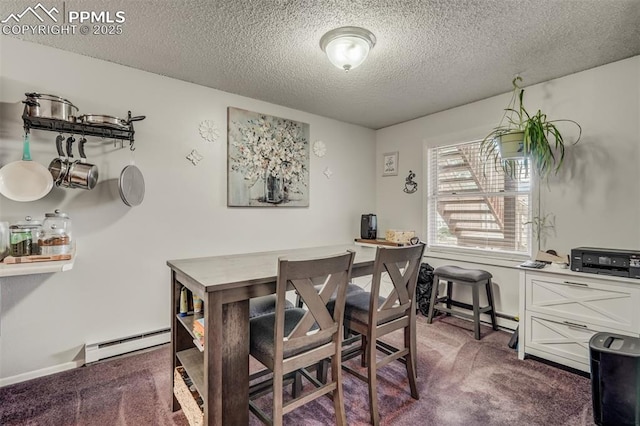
x: 560, y: 310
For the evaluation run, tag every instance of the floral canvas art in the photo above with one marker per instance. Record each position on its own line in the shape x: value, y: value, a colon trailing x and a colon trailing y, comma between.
x: 268, y: 160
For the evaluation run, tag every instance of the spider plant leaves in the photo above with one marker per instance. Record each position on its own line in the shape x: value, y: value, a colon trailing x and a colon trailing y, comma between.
x: 543, y: 143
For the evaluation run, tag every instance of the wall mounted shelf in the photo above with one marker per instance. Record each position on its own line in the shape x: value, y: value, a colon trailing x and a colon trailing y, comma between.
x: 17, y: 269
x: 62, y: 126
x: 36, y: 268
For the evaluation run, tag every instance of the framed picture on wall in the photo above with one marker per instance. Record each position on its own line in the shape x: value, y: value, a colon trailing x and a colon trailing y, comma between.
x: 390, y: 164
x: 268, y: 160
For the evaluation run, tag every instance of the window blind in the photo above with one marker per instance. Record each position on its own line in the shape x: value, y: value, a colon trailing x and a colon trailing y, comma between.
x: 474, y: 205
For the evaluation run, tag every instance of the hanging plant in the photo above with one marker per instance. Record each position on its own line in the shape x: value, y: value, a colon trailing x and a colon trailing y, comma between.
x: 522, y: 137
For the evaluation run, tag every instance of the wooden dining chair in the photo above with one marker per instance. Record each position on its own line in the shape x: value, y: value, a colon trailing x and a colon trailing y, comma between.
x: 289, y: 340
x: 373, y: 316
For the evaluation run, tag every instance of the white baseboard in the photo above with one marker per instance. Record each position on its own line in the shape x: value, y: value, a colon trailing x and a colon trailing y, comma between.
x: 6, y: 381
x: 97, y: 351
x: 505, y: 323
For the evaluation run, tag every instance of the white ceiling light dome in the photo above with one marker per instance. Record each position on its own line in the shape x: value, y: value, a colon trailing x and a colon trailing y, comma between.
x: 347, y: 47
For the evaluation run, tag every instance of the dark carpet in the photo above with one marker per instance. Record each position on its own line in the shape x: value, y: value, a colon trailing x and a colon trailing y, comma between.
x: 461, y: 382
x: 128, y: 390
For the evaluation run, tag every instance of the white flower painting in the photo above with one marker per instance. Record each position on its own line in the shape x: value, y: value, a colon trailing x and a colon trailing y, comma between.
x: 268, y: 160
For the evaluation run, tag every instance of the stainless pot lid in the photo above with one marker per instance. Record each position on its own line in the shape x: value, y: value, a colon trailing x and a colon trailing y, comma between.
x: 46, y: 97
x: 131, y: 186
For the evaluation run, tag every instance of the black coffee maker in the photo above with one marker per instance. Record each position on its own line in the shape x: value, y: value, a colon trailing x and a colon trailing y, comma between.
x: 369, y: 227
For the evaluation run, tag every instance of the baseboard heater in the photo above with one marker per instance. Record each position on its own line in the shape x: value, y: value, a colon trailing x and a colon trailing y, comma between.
x: 97, y: 351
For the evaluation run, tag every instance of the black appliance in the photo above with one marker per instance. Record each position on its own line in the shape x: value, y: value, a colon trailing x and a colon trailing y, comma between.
x: 369, y: 227
x: 620, y: 263
x: 615, y: 379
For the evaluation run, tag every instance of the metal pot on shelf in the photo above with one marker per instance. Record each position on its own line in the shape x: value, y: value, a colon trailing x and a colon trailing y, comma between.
x: 80, y: 174
x: 103, y: 120
x: 59, y: 166
x: 108, y: 120
x: 40, y: 105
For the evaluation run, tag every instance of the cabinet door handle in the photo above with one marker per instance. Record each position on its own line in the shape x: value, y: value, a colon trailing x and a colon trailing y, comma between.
x: 573, y: 324
x: 577, y: 284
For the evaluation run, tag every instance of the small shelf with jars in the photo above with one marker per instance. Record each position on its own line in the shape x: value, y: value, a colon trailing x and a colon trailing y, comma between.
x: 34, y: 247
x: 40, y: 267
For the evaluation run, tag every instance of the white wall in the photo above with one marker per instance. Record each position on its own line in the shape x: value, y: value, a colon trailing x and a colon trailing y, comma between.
x: 595, y: 198
x: 120, y: 283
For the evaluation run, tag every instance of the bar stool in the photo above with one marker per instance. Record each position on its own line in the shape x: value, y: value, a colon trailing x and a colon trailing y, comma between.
x: 290, y: 340
x: 373, y: 316
x: 475, y: 278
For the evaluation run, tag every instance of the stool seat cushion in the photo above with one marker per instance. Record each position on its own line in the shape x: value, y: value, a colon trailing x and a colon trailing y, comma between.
x: 456, y: 273
x: 351, y: 288
x: 357, y: 308
x: 261, y: 332
x: 265, y: 305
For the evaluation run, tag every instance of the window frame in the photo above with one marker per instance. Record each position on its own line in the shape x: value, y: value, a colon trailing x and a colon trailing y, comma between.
x: 430, y: 208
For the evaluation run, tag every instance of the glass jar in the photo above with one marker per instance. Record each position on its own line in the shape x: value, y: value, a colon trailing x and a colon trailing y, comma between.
x: 24, y: 236
x: 56, y: 234
x: 4, y: 240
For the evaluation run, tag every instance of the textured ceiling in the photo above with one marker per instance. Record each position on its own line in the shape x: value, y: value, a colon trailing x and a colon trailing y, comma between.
x: 430, y: 55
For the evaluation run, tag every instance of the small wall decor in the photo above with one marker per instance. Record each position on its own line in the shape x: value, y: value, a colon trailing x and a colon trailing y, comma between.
x: 195, y: 157
x: 319, y: 149
x: 328, y: 172
x: 268, y: 160
x: 390, y: 164
x: 209, y: 131
x: 410, y: 186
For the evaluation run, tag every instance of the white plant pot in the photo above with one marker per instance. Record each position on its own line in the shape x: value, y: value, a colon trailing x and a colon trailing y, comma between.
x: 511, y: 146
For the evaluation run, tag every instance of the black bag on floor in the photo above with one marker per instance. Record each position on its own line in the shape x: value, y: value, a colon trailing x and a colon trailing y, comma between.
x: 423, y: 289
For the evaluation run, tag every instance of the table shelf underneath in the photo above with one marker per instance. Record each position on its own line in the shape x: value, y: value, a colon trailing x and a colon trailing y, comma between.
x: 193, y: 362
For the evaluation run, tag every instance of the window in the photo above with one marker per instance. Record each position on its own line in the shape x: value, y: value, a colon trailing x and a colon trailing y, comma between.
x: 473, y: 206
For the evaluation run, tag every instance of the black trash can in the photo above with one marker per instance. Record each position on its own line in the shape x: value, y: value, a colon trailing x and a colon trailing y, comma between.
x: 615, y: 379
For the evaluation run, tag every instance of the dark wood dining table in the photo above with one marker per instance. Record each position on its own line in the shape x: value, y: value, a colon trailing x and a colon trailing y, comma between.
x: 225, y: 284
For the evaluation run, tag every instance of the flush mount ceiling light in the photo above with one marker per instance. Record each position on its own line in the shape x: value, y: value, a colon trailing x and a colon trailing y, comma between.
x: 347, y: 47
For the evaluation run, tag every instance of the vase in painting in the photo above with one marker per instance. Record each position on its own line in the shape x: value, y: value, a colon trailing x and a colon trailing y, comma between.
x: 273, y: 189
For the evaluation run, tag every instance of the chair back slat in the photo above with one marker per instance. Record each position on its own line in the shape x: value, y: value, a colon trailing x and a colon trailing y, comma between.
x: 391, y: 301
x: 318, y: 324
x: 314, y: 268
x: 400, y: 280
x: 317, y: 312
